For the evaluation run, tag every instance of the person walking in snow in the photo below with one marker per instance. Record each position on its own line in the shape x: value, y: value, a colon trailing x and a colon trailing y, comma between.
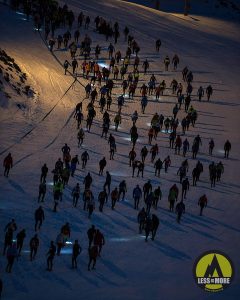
x: 99, y: 241
x: 84, y: 157
x: 185, y: 188
x: 132, y: 155
x: 93, y: 254
x: 144, y: 103
x: 12, y: 253
x: 149, y: 201
x: 76, y: 250
x: 122, y: 189
x: 172, y: 198
x: 141, y: 219
x: 50, y: 256
x: 34, y: 244
x: 158, y: 44
x: 11, y: 225
x: 180, y: 209
x: 111, y: 49
x: 8, y: 240
x: 90, y: 206
x: 145, y: 66
x: 157, y: 195
x: 91, y: 234
x: 8, y: 164
x: 166, y: 62
x: 148, y: 227
x: 200, y: 93
x: 66, y: 65
x: 44, y: 171
x: 42, y: 191
x: 147, y: 188
x: 227, y: 148
x: 202, y: 202
x: 158, y: 166
x: 220, y: 170
x: 137, y: 195
x: 211, y: 146
x: 209, y: 92
x: 76, y: 194
x: 175, y: 61
x: 74, y: 163
x: 117, y: 121
x: 79, y: 118
x: 114, y: 197
x: 39, y: 217
x: 102, y: 198
x: 112, y: 150
x: 107, y: 183
x: 167, y: 163
x: 20, y: 238
x: 80, y: 137
x: 74, y: 65
x: 102, y: 165
x: 87, y: 181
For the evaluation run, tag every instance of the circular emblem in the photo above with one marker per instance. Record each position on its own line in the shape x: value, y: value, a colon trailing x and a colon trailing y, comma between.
x: 213, y: 271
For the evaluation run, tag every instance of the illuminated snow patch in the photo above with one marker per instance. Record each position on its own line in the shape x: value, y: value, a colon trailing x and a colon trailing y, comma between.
x: 19, y: 13
x: 129, y: 139
x: 127, y: 239
x: 119, y: 174
x: 164, y: 131
x: 50, y: 183
x: 155, y: 100
x: 103, y: 64
x: 113, y: 127
x: 124, y: 95
x: 126, y: 138
x: 66, y: 251
x: 120, y: 239
x: 221, y: 151
x: 68, y: 243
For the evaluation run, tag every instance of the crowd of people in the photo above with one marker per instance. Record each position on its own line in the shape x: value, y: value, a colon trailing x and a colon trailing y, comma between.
x: 13, y: 243
x: 125, y: 69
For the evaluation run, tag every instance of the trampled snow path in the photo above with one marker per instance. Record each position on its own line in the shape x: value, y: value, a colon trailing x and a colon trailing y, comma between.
x: 129, y: 268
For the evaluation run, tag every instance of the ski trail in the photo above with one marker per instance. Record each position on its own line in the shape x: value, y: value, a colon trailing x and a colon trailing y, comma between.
x: 63, y: 127
x: 21, y: 159
x: 36, y: 126
x: 58, y: 60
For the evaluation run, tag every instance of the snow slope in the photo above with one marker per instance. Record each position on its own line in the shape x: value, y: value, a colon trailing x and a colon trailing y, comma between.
x: 129, y: 267
x: 221, y: 9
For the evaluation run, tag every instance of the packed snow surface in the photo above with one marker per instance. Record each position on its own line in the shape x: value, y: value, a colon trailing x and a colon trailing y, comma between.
x: 129, y: 267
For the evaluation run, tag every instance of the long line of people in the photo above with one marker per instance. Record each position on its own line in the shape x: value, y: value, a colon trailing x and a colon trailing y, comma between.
x: 101, y: 81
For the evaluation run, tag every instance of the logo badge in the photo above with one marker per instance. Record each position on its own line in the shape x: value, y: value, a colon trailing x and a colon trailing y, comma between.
x: 213, y: 271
